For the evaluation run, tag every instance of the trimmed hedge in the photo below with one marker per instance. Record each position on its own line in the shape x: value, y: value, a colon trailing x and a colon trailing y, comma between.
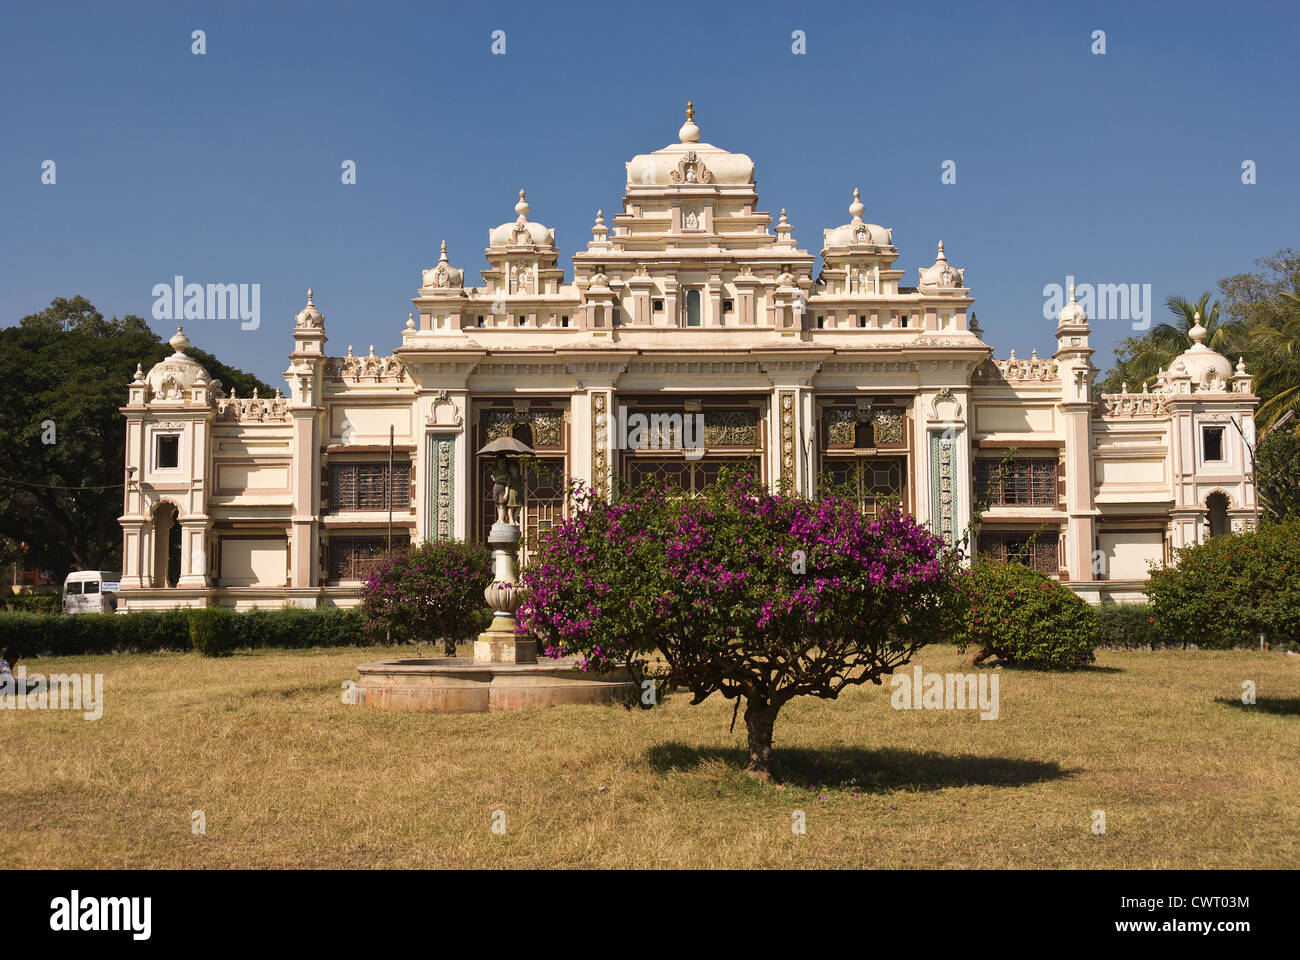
x: 1026, y: 618
x: 210, y: 631
x: 32, y: 603
x: 1130, y: 626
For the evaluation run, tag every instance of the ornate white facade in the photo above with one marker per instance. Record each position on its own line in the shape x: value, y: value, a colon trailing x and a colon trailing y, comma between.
x: 687, y: 308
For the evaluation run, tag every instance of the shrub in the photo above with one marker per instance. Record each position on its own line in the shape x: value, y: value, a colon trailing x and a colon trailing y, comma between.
x: 295, y: 628
x: 33, y: 603
x: 35, y: 635
x: 1131, y: 625
x: 427, y: 593
x: 744, y: 592
x: 212, y: 631
x: 1026, y: 618
x: 1228, y: 590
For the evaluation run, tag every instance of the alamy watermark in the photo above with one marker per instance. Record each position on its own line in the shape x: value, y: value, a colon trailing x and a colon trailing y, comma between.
x: 951, y: 691
x: 179, y: 300
x: 657, y: 431
x: 1102, y: 301
x: 59, y: 691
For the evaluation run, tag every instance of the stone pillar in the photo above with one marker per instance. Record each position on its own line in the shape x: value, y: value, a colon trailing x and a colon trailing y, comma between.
x: 499, y: 643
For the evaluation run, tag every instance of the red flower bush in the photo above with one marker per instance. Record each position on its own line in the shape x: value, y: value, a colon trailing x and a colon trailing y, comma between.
x: 743, y: 592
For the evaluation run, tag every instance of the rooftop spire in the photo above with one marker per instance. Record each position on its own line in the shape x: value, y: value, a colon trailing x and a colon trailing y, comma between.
x: 522, y: 207
x: 856, y: 208
x: 689, y: 133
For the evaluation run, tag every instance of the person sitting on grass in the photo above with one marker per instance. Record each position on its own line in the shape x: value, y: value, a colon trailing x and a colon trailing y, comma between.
x: 8, y: 658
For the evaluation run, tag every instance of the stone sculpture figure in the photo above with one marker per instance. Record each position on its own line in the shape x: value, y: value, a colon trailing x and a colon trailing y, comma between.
x: 501, y: 487
x: 514, y: 493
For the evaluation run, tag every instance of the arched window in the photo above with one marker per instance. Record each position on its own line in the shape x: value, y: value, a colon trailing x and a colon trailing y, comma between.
x: 1217, y: 506
x: 864, y: 435
x: 166, y: 546
x: 692, y: 308
x: 523, y: 433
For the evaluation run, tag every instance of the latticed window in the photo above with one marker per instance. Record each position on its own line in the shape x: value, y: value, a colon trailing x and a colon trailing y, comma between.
x: 872, y: 481
x: 1038, y: 550
x: 689, y: 476
x: 1018, y: 483
x: 368, y: 486
x: 351, y: 558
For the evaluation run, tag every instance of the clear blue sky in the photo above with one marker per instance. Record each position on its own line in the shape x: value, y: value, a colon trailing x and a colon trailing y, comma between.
x: 225, y: 168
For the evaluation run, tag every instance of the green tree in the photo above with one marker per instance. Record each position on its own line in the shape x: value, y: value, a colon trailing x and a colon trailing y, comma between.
x: 1165, y: 341
x: 1278, y: 475
x: 63, y: 376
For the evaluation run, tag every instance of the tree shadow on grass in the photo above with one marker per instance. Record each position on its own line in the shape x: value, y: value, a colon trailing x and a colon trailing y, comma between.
x: 862, y: 770
x: 1283, y: 706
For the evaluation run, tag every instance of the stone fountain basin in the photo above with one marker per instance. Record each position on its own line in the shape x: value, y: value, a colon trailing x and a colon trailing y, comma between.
x: 461, y: 685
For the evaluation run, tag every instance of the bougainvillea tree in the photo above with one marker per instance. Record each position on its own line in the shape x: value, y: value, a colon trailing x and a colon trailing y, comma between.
x: 427, y: 593
x: 743, y: 592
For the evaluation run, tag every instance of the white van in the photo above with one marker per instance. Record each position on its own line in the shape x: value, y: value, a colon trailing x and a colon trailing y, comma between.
x: 91, y: 591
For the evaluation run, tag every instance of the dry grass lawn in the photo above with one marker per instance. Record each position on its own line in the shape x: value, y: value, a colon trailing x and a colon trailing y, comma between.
x: 289, y: 776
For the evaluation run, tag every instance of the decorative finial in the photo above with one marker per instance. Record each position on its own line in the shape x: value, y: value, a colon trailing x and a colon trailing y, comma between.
x: 784, y: 219
x: 941, y: 255
x: 689, y: 133
x: 442, y: 255
x: 139, y: 372
x: 856, y: 208
x: 1241, y: 367
x: 522, y: 207
x: 179, y: 341
x: 1198, y: 332
x: 1072, y: 300
x: 309, y: 303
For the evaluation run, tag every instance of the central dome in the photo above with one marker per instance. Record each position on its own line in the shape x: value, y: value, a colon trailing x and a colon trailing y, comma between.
x: 689, y: 162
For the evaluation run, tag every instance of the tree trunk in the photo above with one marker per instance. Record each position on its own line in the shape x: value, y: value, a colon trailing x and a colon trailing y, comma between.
x: 759, y: 717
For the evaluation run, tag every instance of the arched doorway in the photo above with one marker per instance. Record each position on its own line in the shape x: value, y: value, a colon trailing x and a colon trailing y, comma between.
x: 1217, y: 506
x: 166, y: 546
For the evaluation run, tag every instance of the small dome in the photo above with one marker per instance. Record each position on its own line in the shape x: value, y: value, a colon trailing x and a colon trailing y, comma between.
x: 521, y: 231
x: 1199, y: 361
x: 857, y: 231
x: 174, y: 377
x: 1072, y: 312
x: 442, y: 274
x: 942, y: 276
x: 309, y: 316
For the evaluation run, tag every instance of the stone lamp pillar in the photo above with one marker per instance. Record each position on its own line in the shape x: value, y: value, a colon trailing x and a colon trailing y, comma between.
x: 499, y: 643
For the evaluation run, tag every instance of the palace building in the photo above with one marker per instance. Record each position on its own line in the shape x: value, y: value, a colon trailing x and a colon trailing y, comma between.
x: 691, y: 312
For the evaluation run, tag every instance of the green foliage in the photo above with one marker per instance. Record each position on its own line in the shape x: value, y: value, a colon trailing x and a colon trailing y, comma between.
x: 1277, y: 482
x: 69, y: 365
x: 1131, y: 625
x: 33, y: 603
x: 428, y: 593
x: 741, y: 591
x: 296, y: 628
x: 1026, y: 618
x: 211, y: 632
x: 44, y: 635
x: 1230, y: 589
x: 1139, y: 359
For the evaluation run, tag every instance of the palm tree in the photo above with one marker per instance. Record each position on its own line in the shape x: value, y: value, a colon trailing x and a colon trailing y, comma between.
x: 1168, y: 339
x: 1277, y: 381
